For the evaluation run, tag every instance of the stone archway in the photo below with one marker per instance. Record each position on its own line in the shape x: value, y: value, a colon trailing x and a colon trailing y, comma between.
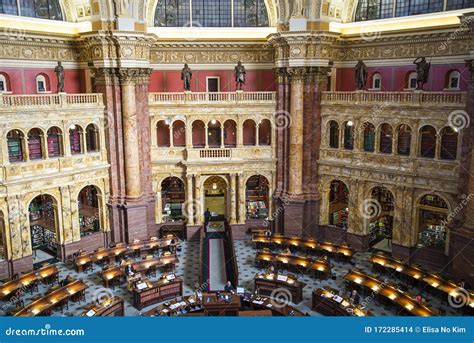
x: 216, y: 196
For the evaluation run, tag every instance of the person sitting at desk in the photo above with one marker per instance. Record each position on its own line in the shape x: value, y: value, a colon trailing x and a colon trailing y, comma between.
x: 129, y: 270
x: 419, y: 298
x: 268, y: 233
x: 463, y: 284
x: 287, y: 251
x: 66, y: 281
x: 229, y: 288
x: 172, y: 246
x: 271, y: 270
x: 355, y: 298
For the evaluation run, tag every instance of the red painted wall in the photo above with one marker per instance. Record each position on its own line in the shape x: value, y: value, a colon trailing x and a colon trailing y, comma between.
x: 394, y: 78
x: 170, y: 81
x: 23, y: 81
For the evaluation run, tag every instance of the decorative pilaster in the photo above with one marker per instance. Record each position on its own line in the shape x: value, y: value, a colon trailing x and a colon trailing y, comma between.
x: 233, y: 198
x: 241, y: 205
x: 189, y: 193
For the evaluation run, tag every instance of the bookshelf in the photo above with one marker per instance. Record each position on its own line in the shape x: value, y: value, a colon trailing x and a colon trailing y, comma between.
x: 34, y: 145
x: 15, y: 151
x: 156, y: 292
x: 173, y: 196
x: 54, y: 148
x: 256, y: 193
x: 75, y: 141
x: 88, y: 204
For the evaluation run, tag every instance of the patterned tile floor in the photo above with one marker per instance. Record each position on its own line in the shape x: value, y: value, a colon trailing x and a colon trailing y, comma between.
x: 188, y: 268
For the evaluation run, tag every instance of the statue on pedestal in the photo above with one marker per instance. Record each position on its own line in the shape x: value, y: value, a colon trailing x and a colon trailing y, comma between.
x: 186, y: 76
x: 361, y: 74
x: 239, y: 72
x: 59, y: 70
x: 422, y: 71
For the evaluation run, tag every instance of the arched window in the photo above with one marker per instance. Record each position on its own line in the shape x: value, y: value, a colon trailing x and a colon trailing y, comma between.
x: 179, y: 134
x: 75, y: 139
x: 453, y: 80
x: 413, y: 7
x: 89, y: 215
x: 427, y: 141
x: 333, y: 134
x: 211, y: 13
x: 374, y: 9
x: 459, y: 4
x: 92, y: 138
x: 44, y: 9
x: 349, y: 135
x: 35, y: 146
x: 15, y: 142
x: 369, y: 137
x: 199, y: 134
x: 230, y: 134
x: 449, y: 144
x: 380, y: 215
x: 265, y: 132
x: 377, y: 81
x: 41, y: 84
x: 163, y: 133
x: 411, y: 80
x: 386, y: 139
x: 4, y: 83
x: 249, y: 132
x: 432, y: 216
x: 9, y: 7
x: 54, y: 142
x: 338, y: 204
x: 214, y: 134
x: 404, y: 140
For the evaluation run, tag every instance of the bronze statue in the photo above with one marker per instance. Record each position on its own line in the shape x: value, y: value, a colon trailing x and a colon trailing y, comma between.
x: 239, y: 72
x: 422, y: 71
x: 59, y: 70
x: 186, y: 76
x: 361, y: 73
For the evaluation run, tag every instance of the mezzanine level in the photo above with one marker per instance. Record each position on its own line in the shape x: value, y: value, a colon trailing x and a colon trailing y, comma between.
x: 212, y: 98
x: 62, y: 100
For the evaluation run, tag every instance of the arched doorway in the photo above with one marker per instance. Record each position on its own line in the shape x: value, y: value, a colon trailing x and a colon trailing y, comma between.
x: 215, y: 197
x: 257, y: 197
x: 43, y: 227
x: 432, y: 217
x: 381, y: 219
x: 172, y: 199
x: 89, y: 215
x: 338, y: 204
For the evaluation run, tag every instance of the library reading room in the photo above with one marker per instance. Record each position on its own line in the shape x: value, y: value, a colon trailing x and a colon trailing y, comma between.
x: 195, y: 158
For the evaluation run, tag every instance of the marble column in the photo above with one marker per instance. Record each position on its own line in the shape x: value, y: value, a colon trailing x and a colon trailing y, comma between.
x: 198, y: 199
x: 190, y: 201
x: 233, y: 200
x: 130, y: 133
x: 159, y: 206
x: 241, y: 199
x: 295, y: 159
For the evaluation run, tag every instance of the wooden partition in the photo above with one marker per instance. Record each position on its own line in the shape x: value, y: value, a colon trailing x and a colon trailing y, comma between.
x: 233, y: 258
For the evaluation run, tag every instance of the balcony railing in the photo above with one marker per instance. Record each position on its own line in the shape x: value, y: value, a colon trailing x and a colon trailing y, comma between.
x: 215, y: 153
x: 408, y: 98
x: 189, y: 97
x: 51, y: 100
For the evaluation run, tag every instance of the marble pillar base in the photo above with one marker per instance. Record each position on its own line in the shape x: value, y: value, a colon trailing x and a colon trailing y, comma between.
x: 4, y: 269
x: 117, y: 223
x: 21, y: 265
x: 135, y: 212
x: 300, y: 217
x: 238, y: 231
x: 401, y: 252
x: 358, y: 242
x: 192, y: 232
x: 462, y: 255
x: 87, y: 243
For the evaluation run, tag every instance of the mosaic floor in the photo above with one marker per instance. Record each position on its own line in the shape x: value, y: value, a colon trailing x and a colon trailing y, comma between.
x: 188, y: 268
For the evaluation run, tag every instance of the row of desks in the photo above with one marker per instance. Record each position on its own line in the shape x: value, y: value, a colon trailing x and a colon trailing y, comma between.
x: 430, y: 279
x: 268, y: 283
x: 110, y: 274
x: 122, y: 249
x: 326, y: 302
x: 109, y: 307
x: 44, y: 274
x: 302, y: 264
x: 74, y: 291
x: 309, y: 245
x: 390, y: 292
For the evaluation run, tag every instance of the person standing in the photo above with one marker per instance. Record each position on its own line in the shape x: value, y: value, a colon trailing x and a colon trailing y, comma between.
x: 207, y: 218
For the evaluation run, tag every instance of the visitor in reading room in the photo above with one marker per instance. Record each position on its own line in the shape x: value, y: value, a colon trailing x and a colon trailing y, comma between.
x: 229, y: 288
x: 207, y: 217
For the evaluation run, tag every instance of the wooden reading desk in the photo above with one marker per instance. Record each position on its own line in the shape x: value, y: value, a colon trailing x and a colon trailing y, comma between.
x: 326, y: 302
x: 177, y: 307
x: 146, y: 293
x: 302, y: 264
x: 268, y: 283
x: 48, y: 272
x: 227, y: 304
x: 302, y: 244
x: 390, y: 292
x: 43, y: 306
x: 110, y: 307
